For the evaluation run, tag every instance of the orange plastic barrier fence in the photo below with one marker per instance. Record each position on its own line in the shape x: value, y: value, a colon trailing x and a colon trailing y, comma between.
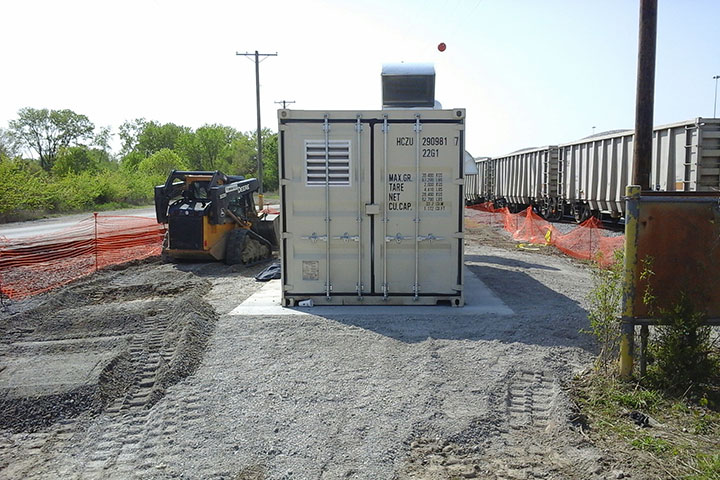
x: 587, y: 241
x: 32, y: 265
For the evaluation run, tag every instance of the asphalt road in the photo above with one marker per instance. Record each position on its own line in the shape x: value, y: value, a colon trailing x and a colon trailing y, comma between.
x: 45, y: 226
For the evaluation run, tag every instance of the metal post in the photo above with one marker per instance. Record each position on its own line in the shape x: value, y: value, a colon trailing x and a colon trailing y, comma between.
x: 644, y: 333
x: 627, y: 329
x: 95, y: 215
x: 644, y: 100
x: 259, y: 130
x: 715, y: 103
x: 259, y: 127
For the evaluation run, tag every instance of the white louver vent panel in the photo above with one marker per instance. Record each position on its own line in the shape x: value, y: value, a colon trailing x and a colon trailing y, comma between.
x: 338, y: 162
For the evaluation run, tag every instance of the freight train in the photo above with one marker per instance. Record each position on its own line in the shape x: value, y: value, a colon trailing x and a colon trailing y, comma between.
x: 588, y: 177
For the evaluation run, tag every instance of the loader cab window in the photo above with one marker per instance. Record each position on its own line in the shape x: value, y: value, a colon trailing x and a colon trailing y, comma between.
x: 198, y: 190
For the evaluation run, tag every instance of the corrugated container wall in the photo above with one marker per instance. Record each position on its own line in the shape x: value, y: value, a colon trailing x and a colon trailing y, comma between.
x: 372, y: 206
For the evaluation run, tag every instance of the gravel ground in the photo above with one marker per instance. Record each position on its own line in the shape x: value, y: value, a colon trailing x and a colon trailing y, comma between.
x: 306, y: 397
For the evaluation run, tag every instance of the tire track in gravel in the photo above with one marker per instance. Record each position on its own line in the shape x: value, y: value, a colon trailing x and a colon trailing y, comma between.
x: 167, y: 347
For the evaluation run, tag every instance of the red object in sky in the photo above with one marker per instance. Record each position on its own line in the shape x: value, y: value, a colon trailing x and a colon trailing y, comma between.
x: 442, y: 47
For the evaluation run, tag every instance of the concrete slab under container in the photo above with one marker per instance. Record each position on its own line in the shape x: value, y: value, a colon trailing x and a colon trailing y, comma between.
x: 479, y: 300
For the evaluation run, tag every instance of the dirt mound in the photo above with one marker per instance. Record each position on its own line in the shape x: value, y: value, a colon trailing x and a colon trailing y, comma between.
x: 114, y: 341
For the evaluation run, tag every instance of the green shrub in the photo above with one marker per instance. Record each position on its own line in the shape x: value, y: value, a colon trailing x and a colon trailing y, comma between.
x: 161, y: 163
x: 22, y: 189
x: 604, y: 310
x: 681, y: 353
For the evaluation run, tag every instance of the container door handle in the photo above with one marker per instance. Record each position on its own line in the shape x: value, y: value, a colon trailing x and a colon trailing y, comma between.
x: 398, y: 238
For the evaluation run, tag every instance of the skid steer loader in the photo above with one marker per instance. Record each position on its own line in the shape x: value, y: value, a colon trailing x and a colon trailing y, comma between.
x: 212, y: 215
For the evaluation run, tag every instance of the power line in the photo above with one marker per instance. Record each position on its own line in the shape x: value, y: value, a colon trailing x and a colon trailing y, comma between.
x: 259, y: 127
x: 285, y: 102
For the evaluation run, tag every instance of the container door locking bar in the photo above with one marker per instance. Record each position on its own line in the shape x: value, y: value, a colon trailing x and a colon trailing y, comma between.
x: 385, y: 129
x: 418, y: 129
x: 326, y: 130
x: 360, y: 204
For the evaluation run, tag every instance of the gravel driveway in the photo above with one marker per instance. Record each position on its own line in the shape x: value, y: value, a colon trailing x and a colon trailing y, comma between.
x: 308, y: 397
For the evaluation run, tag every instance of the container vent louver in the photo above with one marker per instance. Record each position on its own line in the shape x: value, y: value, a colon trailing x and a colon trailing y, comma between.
x: 339, y: 162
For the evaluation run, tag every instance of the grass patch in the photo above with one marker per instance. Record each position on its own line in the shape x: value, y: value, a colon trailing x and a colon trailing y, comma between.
x: 681, y: 441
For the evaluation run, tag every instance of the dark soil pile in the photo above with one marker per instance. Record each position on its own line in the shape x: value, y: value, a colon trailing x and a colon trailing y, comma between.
x: 147, y: 324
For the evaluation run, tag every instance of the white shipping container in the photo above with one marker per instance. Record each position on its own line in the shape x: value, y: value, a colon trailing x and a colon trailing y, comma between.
x: 372, y: 206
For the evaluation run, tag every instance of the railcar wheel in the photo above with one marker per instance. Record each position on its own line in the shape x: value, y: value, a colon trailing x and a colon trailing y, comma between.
x: 576, y: 212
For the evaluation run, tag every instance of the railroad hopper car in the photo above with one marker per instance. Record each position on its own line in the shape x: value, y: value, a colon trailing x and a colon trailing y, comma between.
x: 472, y: 175
x: 588, y: 177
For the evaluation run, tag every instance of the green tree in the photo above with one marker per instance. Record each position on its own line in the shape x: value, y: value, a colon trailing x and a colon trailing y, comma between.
x: 160, y: 163
x: 102, y: 139
x: 214, y: 140
x: 208, y: 148
x: 154, y: 137
x: 9, y: 145
x: 188, y: 147
x: 47, y: 131
x: 270, y: 160
x: 130, y: 162
x: 242, y: 156
x: 80, y: 159
x: 129, y: 133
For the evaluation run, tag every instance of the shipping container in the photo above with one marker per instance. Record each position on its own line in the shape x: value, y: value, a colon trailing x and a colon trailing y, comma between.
x: 372, y: 206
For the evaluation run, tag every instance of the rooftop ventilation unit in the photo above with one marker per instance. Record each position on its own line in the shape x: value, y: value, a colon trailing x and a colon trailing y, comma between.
x: 408, y: 85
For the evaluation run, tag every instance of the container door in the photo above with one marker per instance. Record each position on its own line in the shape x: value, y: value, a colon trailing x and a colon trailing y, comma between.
x: 418, y: 189
x: 327, y: 239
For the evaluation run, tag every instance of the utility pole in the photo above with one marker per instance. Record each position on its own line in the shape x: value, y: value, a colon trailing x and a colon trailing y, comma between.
x: 284, y: 102
x: 715, y: 104
x: 259, y: 126
x: 645, y: 96
x: 642, y: 162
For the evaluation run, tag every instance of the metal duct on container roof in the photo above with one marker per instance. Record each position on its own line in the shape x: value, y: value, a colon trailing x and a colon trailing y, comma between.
x: 408, y: 85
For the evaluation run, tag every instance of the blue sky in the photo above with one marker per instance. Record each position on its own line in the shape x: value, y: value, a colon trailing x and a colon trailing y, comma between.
x: 529, y: 73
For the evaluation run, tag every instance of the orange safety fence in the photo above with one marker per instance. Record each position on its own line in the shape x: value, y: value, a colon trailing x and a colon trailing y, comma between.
x: 587, y: 241
x: 32, y: 265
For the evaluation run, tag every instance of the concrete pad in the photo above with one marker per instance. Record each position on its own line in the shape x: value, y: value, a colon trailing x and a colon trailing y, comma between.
x: 479, y: 300
x: 40, y: 375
